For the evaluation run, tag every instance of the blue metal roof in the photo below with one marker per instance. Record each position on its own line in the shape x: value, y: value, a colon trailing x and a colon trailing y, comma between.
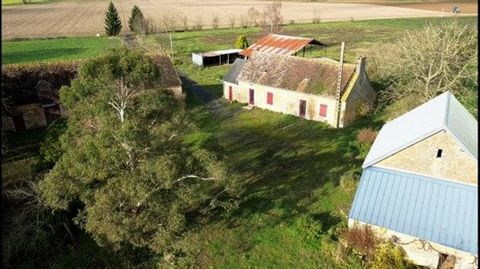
x: 432, y: 209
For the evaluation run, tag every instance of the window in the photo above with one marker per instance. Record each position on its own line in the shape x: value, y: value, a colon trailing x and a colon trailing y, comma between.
x: 269, y: 98
x: 439, y: 153
x: 323, y: 110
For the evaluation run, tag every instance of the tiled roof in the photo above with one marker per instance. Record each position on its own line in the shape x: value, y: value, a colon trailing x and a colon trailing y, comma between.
x: 308, y: 75
x: 168, y: 74
x: 234, y: 70
x: 431, y: 209
x: 280, y: 44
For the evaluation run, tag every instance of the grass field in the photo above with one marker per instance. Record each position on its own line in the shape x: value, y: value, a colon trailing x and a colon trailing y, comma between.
x: 292, y: 203
x: 57, y: 49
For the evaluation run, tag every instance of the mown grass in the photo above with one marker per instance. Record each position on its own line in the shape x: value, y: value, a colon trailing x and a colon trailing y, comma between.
x: 286, y: 170
x: 57, y: 49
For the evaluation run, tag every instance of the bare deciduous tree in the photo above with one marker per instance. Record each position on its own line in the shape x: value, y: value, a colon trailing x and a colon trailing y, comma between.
x: 198, y: 25
x: 316, y: 17
x: 254, y: 16
x: 231, y: 22
x: 244, y: 21
x: 185, y: 23
x: 215, y: 21
x: 425, y: 63
x: 271, y: 17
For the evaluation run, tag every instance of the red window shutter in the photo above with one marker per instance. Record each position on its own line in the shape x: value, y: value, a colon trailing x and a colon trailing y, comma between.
x: 323, y: 110
x: 269, y: 98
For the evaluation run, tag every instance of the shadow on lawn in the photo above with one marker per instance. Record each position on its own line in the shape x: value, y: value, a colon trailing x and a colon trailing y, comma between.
x: 284, y: 163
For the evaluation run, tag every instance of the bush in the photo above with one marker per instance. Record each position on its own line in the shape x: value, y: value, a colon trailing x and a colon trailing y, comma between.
x: 362, y: 240
x: 365, y: 139
x: 349, y: 180
x: 242, y: 42
x: 388, y: 255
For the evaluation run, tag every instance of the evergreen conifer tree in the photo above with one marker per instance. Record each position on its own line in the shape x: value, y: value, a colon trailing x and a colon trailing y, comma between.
x: 135, y: 21
x: 113, y: 25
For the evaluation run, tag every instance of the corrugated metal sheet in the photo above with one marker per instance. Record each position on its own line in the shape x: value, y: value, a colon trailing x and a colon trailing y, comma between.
x: 235, y: 69
x: 422, y: 122
x: 288, y: 44
x: 462, y: 125
x: 431, y: 209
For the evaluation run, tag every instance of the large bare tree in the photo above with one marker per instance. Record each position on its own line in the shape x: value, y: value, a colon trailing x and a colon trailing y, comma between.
x: 427, y: 62
x: 271, y: 18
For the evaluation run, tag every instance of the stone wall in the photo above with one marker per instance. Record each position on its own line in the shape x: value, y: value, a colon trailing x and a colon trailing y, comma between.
x: 454, y: 163
x: 284, y: 101
x: 425, y: 253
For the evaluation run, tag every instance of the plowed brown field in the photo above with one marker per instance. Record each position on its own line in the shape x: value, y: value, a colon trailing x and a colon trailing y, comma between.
x: 86, y: 17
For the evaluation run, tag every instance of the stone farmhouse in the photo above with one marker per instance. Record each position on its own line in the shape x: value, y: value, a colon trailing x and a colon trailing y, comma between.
x: 419, y: 184
x: 309, y: 88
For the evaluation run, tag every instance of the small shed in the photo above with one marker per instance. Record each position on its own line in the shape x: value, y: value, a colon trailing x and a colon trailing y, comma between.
x: 217, y: 57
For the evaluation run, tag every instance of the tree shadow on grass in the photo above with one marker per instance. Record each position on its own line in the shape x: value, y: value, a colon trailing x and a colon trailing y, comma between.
x: 40, y: 55
x: 281, y: 164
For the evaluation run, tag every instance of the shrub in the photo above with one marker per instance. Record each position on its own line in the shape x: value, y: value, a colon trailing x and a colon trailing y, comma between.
x: 349, y: 180
x: 365, y: 138
x: 363, y: 240
x: 388, y: 255
x: 242, y: 42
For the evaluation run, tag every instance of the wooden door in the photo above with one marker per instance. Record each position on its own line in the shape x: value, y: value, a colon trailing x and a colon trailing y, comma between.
x: 251, y: 97
x: 230, y: 93
x: 302, y: 108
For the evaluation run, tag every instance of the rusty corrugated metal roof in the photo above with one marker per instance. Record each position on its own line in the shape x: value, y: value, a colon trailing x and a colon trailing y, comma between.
x: 280, y: 44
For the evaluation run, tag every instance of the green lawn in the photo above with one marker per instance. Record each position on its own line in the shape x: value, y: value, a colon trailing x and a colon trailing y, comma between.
x: 58, y: 49
x: 287, y: 170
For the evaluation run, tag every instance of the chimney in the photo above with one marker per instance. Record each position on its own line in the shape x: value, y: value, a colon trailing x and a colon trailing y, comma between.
x: 361, y: 64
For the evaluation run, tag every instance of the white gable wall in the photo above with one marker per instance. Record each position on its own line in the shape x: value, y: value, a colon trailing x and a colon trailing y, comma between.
x: 284, y: 101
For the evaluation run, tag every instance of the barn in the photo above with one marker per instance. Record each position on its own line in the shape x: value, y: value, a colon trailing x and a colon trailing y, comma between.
x: 419, y: 184
x: 309, y: 88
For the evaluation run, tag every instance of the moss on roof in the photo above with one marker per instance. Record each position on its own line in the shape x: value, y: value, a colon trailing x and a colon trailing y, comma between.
x: 309, y: 75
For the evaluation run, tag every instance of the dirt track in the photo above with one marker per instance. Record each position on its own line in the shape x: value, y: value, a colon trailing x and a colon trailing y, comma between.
x: 80, y: 18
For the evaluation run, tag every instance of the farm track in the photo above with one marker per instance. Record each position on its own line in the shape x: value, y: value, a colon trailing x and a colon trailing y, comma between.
x: 86, y: 18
